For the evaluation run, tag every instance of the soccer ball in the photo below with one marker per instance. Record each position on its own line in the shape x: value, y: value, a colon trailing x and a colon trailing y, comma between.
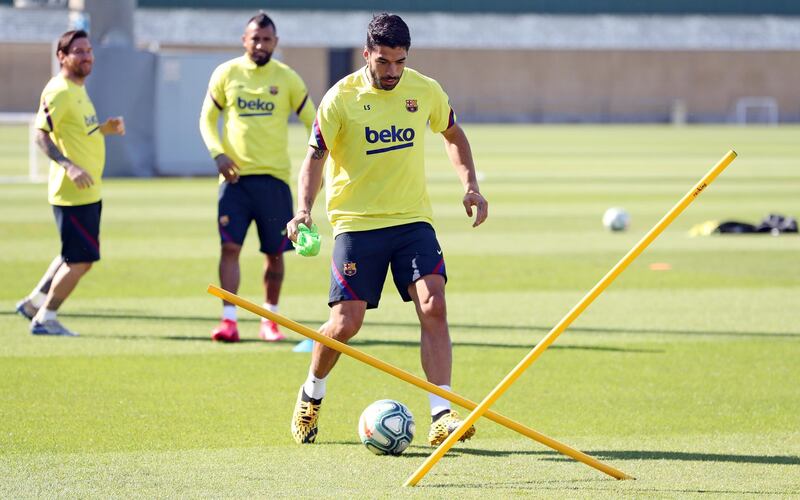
x: 386, y: 427
x: 616, y: 219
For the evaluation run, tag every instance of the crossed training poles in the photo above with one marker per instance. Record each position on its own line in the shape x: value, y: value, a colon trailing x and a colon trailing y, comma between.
x: 414, y: 380
x: 482, y: 409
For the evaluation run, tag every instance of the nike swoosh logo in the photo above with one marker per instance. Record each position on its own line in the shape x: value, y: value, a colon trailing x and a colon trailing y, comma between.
x: 439, y: 252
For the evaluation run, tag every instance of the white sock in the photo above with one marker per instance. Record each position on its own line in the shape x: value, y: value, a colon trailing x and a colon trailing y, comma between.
x: 45, y: 315
x: 47, y: 279
x: 314, y: 387
x: 439, y: 404
x: 37, y: 298
x: 271, y: 308
x: 229, y: 312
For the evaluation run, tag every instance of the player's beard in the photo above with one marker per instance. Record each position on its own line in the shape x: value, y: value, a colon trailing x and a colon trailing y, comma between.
x: 261, y: 59
x: 81, y: 69
x: 379, y: 84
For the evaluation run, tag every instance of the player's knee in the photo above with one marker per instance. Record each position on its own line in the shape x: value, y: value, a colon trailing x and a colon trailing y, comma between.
x: 80, y: 267
x: 343, y: 328
x: 231, y: 250
x: 434, y: 306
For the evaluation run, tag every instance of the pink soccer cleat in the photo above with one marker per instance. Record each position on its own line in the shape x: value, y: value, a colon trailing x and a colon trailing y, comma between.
x: 269, y: 331
x: 227, y: 331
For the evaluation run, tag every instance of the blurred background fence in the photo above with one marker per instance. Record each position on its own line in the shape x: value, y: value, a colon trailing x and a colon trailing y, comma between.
x: 575, y: 61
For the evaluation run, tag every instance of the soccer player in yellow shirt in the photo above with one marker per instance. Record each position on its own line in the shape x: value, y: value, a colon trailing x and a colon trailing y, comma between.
x: 372, y: 124
x: 255, y: 95
x: 72, y: 137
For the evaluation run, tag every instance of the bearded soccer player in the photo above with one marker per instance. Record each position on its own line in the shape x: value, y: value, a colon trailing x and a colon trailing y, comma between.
x: 255, y: 95
x: 372, y: 125
x: 72, y: 137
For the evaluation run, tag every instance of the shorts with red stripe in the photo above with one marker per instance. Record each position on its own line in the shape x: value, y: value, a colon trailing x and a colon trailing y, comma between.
x: 79, y: 227
x: 362, y: 258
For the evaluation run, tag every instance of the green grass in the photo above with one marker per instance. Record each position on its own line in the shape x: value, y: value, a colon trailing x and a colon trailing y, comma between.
x: 14, y: 147
x: 684, y: 379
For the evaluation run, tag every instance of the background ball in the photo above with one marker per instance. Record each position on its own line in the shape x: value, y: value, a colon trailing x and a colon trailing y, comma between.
x: 616, y: 219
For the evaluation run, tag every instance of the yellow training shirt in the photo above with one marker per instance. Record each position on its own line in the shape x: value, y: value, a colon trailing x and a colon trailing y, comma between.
x: 255, y: 102
x: 375, y: 174
x: 67, y: 113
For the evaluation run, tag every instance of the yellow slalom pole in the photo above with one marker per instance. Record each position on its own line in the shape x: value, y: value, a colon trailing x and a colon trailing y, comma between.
x: 569, y: 318
x: 414, y: 380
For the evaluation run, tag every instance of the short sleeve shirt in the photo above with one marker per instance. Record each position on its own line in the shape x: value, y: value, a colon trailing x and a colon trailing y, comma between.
x: 375, y: 175
x: 67, y: 113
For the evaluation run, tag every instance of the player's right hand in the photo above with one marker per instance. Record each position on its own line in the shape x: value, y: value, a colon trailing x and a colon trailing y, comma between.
x: 228, y: 168
x: 302, y: 216
x: 79, y: 176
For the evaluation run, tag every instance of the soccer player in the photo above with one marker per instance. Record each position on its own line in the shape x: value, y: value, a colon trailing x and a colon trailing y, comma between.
x: 255, y: 95
x: 72, y: 137
x: 372, y: 125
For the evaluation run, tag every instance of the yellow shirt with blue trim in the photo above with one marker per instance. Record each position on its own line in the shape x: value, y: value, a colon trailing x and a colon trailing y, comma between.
x: 375, y: 175
x: 255, y: 103
x: 67, y: 113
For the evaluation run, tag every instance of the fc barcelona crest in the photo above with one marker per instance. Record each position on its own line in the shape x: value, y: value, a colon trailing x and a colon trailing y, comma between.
x: 273, y: 90
x: 349, y: 268
x: 411, y: 105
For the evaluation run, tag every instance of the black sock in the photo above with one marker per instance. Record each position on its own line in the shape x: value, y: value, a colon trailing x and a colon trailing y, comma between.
x: 439, y: 415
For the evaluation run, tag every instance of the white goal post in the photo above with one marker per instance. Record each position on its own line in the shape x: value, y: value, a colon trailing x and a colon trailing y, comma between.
x: 761, y: 110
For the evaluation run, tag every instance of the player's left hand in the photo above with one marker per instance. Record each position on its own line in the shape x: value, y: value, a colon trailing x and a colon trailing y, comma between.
x: 475, y: 199
x: 113, y: 126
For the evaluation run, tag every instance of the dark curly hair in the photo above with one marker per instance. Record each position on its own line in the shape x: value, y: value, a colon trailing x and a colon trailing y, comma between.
x: 388, y: 30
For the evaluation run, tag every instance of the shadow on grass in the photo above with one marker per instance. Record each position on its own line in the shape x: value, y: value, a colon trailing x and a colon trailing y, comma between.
x: 647, y: 455
x: 466, y: 326
x: 696, y: 457
x: 395, y: 343
x: 465, y: 449
x: 413, y: 451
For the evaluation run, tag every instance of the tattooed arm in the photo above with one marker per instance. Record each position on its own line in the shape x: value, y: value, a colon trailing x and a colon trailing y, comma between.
x: 76, y: 174
x: 308, y: 185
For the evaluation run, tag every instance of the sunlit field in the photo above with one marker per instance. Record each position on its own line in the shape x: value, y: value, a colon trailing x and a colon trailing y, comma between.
x: 681, y: 374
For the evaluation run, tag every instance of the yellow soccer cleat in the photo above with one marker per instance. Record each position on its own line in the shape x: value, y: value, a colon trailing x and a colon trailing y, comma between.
x: 444, y: 426
x: 304, y: 420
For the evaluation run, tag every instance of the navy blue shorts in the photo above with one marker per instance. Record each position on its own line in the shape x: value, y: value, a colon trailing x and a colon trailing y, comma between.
x: 361, y: 259
x: 260, y: 198
x: 79, y: 227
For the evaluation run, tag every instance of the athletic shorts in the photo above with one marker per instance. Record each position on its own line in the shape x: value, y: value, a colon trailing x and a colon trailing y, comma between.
x: 361, y: 259
x: 79, y: 227
x: 260, y: 198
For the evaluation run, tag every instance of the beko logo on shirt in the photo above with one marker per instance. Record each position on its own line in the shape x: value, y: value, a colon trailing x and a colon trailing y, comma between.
x: 91, y: 121
x: 404, y: 138
x: 257, y: 106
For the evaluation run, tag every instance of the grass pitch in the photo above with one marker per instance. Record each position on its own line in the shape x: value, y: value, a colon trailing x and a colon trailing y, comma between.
x: 682, y: 378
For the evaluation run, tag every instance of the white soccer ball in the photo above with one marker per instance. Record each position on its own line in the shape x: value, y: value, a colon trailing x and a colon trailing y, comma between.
x: 616, y: 219
x: 386, y: 427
